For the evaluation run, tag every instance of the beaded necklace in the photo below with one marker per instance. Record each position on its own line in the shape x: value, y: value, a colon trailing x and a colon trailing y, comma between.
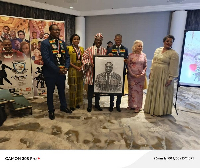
x: 78, y: 52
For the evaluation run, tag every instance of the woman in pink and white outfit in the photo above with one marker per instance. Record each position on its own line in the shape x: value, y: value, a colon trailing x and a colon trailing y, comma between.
x: 137, y: 65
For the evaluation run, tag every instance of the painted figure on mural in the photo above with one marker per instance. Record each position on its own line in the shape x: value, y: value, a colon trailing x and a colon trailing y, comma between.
x: 21, y: 36
x: 5, y: 33
x: 1, y: 45
x: 25, y: 49
x: 8, y: 54
x: 39, y: 45
x: 41, y: 35
x: 13, y: 35
x: 3, y: 74
x: 15, y: 44
x: 40, y: 78
x: 33, y: 46
x: 46, y: 35
x: 38, y: 57
x: 34, y: 38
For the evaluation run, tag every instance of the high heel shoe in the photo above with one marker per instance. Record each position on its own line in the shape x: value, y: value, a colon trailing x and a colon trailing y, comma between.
x: 137, y: 110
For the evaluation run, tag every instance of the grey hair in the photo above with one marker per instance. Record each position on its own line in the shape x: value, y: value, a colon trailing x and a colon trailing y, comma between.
x: 135, y: 43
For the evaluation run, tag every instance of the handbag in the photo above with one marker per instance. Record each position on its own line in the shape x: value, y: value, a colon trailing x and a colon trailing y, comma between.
x: 145, y: 83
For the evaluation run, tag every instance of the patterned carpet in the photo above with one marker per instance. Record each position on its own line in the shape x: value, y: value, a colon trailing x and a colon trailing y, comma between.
x: 105, y: 130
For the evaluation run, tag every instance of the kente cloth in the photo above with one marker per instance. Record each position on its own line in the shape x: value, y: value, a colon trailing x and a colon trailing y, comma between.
x: 58, y: 51
x: 87, y: 61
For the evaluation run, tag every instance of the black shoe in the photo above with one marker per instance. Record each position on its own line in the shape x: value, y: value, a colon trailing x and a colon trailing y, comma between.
x: 66, y: 110
x: 72, y: 109
x: 51, y: 116
x: 99, y: 108
x: 77, y: 106
x: 118, y: 109
x: 89, y: 109
x: 110, y: 109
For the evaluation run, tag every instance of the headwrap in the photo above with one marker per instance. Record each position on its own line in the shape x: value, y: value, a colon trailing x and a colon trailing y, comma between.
x: 98, y: 35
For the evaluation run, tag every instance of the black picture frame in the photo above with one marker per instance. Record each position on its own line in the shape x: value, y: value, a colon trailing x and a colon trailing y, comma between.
x: 112, y: 84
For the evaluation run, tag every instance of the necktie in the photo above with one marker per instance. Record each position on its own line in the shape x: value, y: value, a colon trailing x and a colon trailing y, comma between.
x: 118, y: 51
x: 108, y: 79
x: 107, y: 83
x: 97, y: 51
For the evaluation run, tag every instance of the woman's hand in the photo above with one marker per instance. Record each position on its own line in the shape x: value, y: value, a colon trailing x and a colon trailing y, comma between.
x: 138, y: 76
x: 78, y: 68
x: 133, y: 75
x: 110, y: 54
x: 168, y: 83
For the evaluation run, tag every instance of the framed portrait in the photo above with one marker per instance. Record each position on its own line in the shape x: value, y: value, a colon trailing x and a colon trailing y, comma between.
x: 108, y: 74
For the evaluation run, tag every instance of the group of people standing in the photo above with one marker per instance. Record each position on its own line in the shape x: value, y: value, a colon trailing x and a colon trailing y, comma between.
x: 58, y: 59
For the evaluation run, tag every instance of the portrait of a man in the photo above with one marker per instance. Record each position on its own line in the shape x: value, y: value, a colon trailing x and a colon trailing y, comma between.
x: 108, y: 78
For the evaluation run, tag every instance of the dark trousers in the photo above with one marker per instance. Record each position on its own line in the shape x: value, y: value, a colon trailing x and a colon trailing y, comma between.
x: 51, y: 82
x: 118, y: 102
x: 119, y: 97
x: 90, y: 95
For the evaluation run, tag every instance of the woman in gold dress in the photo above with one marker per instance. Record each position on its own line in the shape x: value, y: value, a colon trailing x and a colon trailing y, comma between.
x: 164, y: 69
x: 75, y: 75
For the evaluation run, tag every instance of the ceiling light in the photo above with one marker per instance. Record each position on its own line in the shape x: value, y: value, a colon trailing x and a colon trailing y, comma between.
x: 175, y: 1
x: 71, y: 7
x: 71, y: 1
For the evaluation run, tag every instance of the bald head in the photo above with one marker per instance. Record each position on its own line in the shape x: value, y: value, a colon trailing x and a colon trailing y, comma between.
x: 7, y: 45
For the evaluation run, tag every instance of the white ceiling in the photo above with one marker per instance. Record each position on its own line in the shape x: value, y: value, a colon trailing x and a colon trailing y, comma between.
x: 89, y: 5
x: 109, y: 7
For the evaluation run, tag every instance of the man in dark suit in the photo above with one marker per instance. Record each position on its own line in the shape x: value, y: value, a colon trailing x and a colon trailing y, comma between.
x: 56, y: 63
x: 118, y: 50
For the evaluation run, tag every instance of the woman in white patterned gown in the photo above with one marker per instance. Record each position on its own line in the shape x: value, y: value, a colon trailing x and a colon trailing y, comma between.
x: 164, y: 69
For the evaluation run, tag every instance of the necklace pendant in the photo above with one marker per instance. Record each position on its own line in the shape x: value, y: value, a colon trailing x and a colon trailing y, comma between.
x: 58, y: 55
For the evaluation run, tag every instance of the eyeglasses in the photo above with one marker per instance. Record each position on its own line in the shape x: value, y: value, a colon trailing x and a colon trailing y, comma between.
x: 56, y: 29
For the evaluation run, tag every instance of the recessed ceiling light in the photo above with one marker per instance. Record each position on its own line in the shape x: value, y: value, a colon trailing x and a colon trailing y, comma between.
x: 71, y: 7
x: 176, y: 1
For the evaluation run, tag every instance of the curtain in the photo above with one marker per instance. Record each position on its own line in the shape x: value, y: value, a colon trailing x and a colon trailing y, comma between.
x: 193, y: 20
x: 10, y: 9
